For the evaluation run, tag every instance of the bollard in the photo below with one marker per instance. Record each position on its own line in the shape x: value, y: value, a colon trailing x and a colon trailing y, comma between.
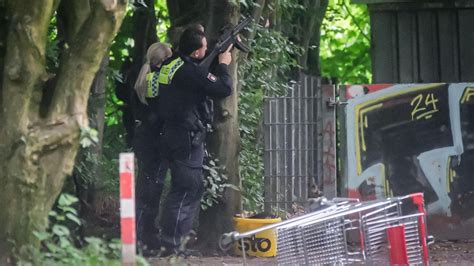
x: 127, y: 208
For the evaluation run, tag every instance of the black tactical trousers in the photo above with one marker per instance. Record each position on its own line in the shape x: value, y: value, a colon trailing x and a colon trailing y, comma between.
x: 149, y: 185
x: 183, y: 201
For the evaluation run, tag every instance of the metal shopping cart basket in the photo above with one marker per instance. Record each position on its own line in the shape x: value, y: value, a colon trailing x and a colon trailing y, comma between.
x: 347, y: 231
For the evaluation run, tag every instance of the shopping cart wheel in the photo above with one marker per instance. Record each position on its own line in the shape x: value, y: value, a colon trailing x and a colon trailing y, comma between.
x: 226, y: 240
x: 430, y: 240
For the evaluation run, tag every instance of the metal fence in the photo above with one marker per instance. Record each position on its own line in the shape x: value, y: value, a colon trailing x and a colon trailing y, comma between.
x: 293, y: 133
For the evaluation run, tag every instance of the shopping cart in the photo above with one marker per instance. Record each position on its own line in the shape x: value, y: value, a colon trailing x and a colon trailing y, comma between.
x: 346, y: 231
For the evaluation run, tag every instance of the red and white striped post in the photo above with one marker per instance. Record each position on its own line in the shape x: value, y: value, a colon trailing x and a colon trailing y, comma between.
x: 127, y: 207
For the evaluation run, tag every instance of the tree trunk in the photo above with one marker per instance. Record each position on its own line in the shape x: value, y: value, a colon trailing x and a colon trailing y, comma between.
x: 38, y: 151
x: 96, y: 114
x: 183, y: 13
x: 143, y: 34
x: 311, y: 35
x: 224, y: 142
x: 257, y: 11
x: 88, y: 173
x: 3, y: 38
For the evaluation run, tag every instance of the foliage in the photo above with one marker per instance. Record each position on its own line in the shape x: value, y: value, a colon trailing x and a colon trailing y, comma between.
x: 113, y: 142
x: 114, y: 133
x: 267, y: 72
x: 344, y: 54
x: 270, y: 63
x: 163, y: 20
x: 215, y: 183
x: 52, y: 50
x: 59, y: 246
x: 89, y: 136
x: 345, y: 43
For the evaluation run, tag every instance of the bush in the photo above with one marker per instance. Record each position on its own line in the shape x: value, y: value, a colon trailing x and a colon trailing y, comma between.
x: 60, y: 246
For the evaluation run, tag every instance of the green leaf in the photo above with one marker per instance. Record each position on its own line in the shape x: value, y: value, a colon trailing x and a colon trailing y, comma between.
x: 60, y: 230
x: 89, y: 136
x: 53, y: 248
x: 41, y: 236
x: 73, y: 218
x: 68, y: 209
x: 67, y: 199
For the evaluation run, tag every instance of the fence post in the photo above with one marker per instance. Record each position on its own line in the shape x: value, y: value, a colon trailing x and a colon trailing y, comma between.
x: 127, y: 208
x: 329, y: 155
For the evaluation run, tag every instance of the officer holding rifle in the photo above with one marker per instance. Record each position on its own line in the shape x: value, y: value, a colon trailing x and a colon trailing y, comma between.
x: 184, y: 85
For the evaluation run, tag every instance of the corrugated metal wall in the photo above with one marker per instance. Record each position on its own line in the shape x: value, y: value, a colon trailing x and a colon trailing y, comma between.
x: 422, y: 42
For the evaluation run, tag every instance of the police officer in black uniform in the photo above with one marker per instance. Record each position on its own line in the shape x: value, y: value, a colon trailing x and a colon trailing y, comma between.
x: 151, y: 169
x: 184, y: 86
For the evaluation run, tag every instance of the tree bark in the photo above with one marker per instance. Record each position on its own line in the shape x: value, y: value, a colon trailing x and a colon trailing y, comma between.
x: 88, y: 177
x: 183, y: 13
x: 224, y: 142
x: 143, y: 34
x: 37, y: 152
x: 311, y: 35
x: 3, y: 45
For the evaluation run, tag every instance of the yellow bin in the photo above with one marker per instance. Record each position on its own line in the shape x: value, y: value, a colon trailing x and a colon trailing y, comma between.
x: 259, y: 245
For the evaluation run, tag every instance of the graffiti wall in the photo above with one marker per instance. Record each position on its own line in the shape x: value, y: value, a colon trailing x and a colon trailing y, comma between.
x: 408, y: 138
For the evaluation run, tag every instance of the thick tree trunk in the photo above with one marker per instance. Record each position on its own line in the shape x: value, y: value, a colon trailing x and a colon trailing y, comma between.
x: 3, y: 45
x: 183, y: 13
x: 37, y: 152
x: 224, y: 142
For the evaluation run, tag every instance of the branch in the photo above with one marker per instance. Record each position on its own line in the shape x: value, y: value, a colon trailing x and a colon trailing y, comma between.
x: 24, y: 62
x: 314, y: 17
x: 46, y: 137
x: 82, y: 59
x: 355, y: 21
x: 71, y: 16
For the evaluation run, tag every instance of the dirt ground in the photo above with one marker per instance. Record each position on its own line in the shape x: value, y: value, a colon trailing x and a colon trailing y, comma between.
x: 452, y: 252
x: 441, y: 253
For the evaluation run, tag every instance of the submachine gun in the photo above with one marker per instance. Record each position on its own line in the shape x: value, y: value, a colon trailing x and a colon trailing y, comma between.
x: 229, y: 37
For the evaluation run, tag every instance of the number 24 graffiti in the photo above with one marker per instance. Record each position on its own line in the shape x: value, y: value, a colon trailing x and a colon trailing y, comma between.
x: 424, y: 109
